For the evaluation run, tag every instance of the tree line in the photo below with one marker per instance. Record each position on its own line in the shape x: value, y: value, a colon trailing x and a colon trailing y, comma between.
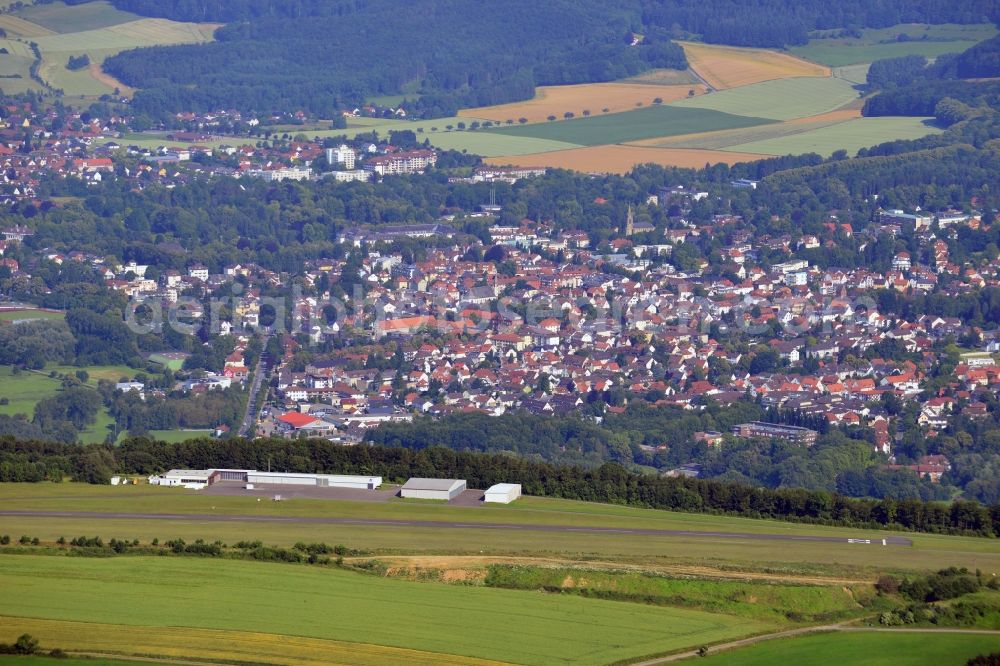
x: 444, y: 55
x: 22, y: 460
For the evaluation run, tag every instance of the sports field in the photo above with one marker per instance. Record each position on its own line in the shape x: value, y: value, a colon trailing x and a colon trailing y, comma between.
x: 874, y: 44
x: 645, y: 123
x: 596, y: 98
x: 370, y: 612
x: 858, y: 561
x: 782, y: 99
x: 850, y: 135
x: 725, y: 67
x: 28, y: 315
x: 622, y: 158
x: 883, y: 648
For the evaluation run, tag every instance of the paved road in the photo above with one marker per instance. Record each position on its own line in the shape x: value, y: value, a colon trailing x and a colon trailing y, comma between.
x: 211, y: 517
x: 250, y: 416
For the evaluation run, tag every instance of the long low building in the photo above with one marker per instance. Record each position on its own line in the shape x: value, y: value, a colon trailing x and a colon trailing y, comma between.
x: 436, y: 489
x: 191, y: 478
x: 502, y: 493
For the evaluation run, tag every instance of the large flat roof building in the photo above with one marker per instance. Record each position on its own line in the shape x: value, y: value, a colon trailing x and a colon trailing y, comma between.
x: 436, y: 489
x: 502, y: 493
x: 199, y: 478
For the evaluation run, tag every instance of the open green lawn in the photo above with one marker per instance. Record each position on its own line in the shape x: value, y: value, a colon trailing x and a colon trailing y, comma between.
x: 861, y: 649
x: 60, y: 17
x: 13, y: 660
x: 875, y: 44
x: 24, y: 390
x: 780, y: 99
x: 25, y: 315
x: 331, y: 604
x: 861, y: 562
x: 178, y: 435
x: 645, y: 123
x: 489, y: 144
x: 851, y: 136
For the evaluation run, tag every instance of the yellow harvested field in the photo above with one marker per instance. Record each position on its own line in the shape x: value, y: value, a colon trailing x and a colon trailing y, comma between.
x: 104, y: 78
x: 593, y: 97
x: 731, y: 67
x: 218, y: 645
x: 621, y: 158
x: 18, y: 27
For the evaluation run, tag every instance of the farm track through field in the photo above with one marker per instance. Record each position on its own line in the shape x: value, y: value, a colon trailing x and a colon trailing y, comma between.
x: 89, y: 515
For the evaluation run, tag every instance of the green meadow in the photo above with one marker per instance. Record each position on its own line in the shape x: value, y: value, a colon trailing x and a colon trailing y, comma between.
x: 851, y: 136
x: 874, y: 44
x: 862, y: 649
x: 290, y: 600
x: 780, y: 99
x: 645, y: 123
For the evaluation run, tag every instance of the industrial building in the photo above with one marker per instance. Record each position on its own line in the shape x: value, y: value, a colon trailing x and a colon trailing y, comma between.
x: 199, y: 478
x: 436, y: 489
x: 502, y: 493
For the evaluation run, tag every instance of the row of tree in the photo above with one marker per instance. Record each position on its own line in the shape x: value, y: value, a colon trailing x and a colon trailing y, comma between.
x: 609, y: 483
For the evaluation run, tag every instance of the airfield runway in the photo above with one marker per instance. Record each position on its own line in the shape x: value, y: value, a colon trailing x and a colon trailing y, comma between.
x: 429, y: 524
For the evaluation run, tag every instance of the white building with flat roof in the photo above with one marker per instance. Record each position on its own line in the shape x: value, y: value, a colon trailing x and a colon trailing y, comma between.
x: 436, y: 489
x: 502, y: 493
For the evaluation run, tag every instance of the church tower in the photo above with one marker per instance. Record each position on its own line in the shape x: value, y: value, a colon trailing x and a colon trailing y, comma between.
x: 629, y: 222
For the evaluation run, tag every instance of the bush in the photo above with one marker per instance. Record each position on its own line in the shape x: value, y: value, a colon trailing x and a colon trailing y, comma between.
x: 992, y: 659
x: 4, y: 539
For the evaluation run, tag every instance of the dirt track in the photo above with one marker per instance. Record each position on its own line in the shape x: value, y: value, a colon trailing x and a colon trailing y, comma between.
x: 89, y: 515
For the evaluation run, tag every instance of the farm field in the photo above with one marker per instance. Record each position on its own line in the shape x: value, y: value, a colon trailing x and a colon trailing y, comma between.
x: 94, y: 28
x: 725, y: 67
x: 726, y: 138
x: 851, y: 136
x: 13, y: 660
x: 781, y: 99
x: 622, y: 158
x: 284, y: 600
x: 926, y: 40
x: 861, y: 648
x: 856, y: 561
x: 645, y: 123
x: 15, y: 66
x: 488, y: 144
x: 597, y: 98
x: 58, y: 17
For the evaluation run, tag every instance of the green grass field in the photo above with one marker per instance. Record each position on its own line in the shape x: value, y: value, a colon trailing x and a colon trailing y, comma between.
x: 861, y: 649
x: 330, y: 604
x: 178, y: 435
x: 26, y: 315
x: 875, y: 44
x: 23, y: 391
x: 12, y: 660
x: 60, y: 17
x: 737, y: 137
x: 15, y: 66
x: 851, y: 136
x: 852, y: 560
x: 645, y: 123
x: 781, y: 99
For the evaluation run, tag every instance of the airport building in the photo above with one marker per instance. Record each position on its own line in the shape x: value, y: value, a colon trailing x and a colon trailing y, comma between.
x: 436, y: 489
x: 199, y: 478
x: 502, y: 493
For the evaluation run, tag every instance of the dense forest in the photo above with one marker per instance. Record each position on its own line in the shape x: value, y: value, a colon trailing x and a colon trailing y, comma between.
x: 914, y: 86
x: 444, y: 54
x: 22, y: 460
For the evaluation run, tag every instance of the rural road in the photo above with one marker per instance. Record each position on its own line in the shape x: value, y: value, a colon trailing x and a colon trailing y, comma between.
x: 211, y: 517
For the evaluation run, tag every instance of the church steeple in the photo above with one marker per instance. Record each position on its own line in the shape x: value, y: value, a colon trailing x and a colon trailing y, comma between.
x: 629, y: 222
